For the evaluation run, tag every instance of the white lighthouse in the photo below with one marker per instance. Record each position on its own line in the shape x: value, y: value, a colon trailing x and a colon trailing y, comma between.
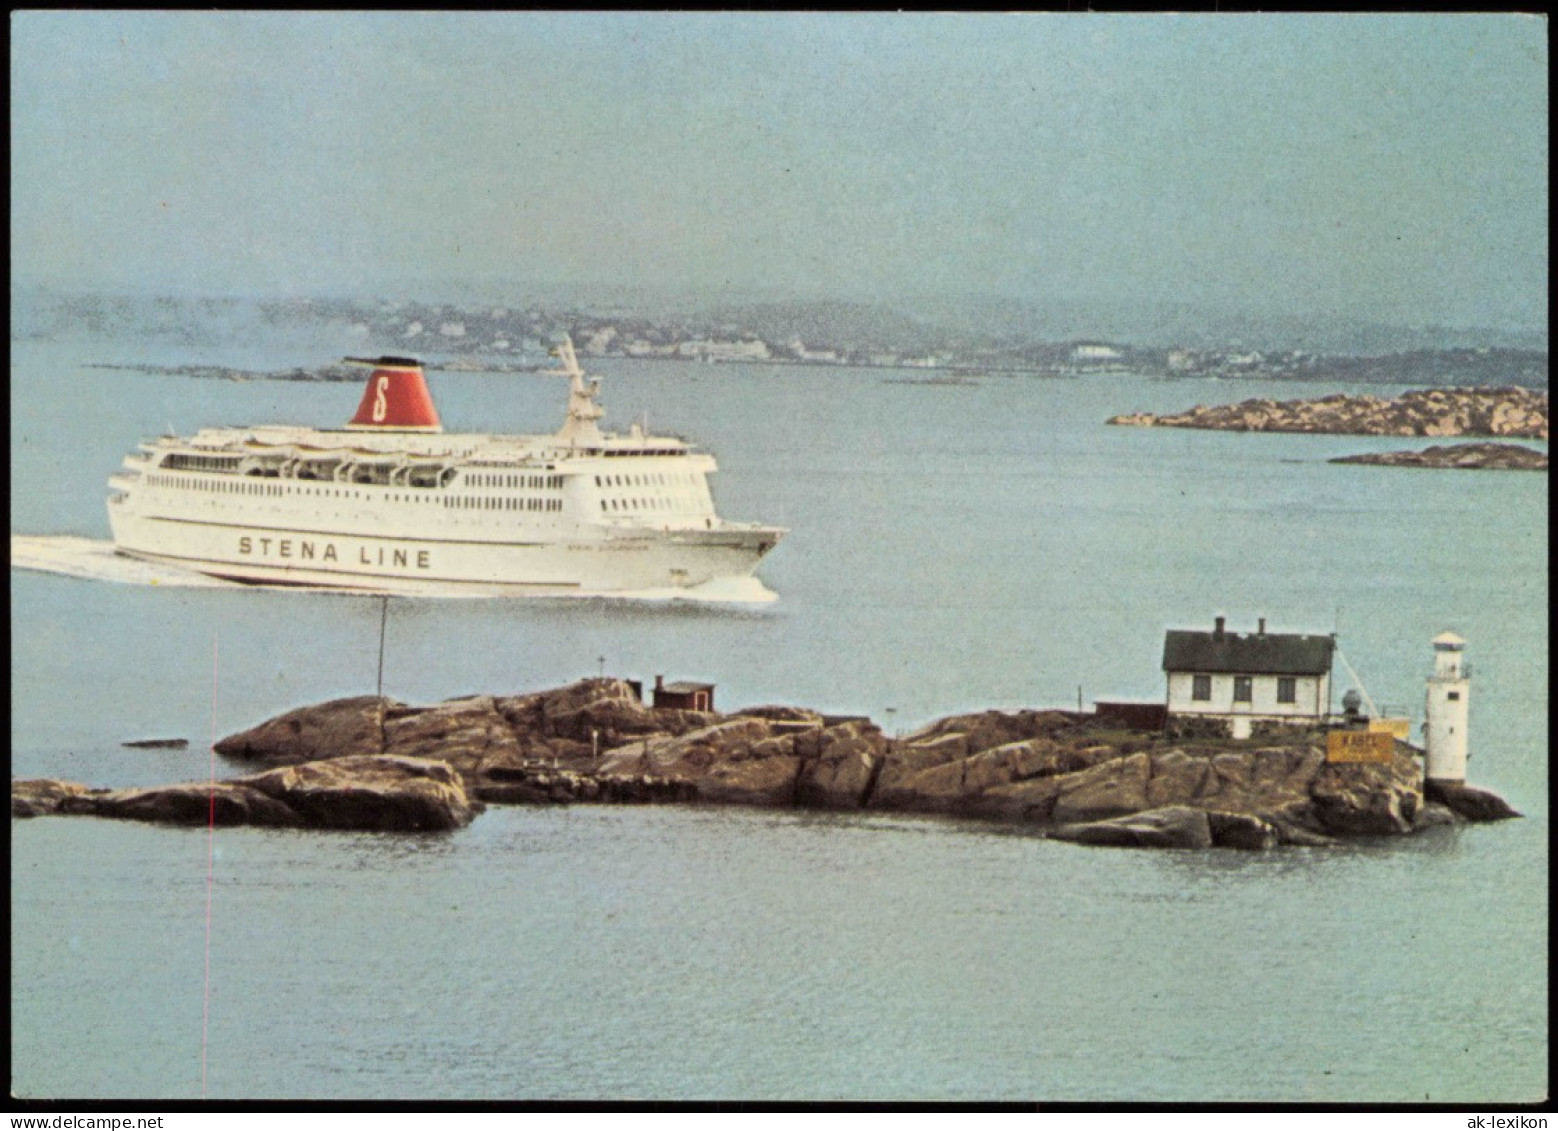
x: 1449, y: 695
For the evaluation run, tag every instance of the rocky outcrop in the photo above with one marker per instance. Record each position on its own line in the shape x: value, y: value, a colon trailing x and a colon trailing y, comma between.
x: 1511, y: 411
x: 339, y: 728
x: 377, y: 763
x: 838, y: 765
x: 38, y: 797
x: 1468, y: 802
x: 354, y: 792
x: 1470, y: 457
x: 1363, y: 799
x: 1178, y: 826
x: 1242, y: 830
x: 568, y: 725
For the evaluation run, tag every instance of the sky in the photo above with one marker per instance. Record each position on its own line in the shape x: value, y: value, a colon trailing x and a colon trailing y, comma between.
x: 1387, y: 166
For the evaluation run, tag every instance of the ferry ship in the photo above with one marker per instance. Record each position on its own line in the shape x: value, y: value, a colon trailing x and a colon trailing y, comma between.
x: 393, y: 503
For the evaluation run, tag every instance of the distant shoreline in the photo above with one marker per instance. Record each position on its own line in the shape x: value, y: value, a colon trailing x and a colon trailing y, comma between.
x: 947, y: 374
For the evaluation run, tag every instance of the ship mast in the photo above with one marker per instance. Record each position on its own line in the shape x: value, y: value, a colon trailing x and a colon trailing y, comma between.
x: 579, y: 428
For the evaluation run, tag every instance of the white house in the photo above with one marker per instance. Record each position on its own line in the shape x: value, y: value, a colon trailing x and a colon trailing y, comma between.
x: 1248, y: 678
x: 1094, y: 351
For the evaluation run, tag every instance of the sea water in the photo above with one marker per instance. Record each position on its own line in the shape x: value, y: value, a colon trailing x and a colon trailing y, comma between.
x: 952, y: 548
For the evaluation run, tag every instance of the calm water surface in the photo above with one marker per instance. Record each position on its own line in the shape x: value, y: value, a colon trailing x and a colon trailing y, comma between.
x: 952, y: 548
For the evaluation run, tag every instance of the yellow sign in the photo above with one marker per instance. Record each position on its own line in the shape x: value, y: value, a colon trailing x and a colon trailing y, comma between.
x: 1359, y: 746
x: 1397, y: 728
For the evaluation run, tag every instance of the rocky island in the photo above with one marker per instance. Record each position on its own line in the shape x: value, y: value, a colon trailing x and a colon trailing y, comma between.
x: 1478, y: 457
x: 1511, y: 411
x: 372, y: 763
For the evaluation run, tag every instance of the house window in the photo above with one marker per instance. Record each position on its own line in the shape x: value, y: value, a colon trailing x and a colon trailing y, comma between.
x: 1287, y: 689
x: 1243, y: 690
x: 1201, y: 688
x: 1453, y: 696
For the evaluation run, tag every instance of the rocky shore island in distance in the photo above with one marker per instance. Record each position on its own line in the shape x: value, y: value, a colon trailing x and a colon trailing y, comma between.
x: 371, y: 763
x: 1473, y: 457
x: 1511, y: 412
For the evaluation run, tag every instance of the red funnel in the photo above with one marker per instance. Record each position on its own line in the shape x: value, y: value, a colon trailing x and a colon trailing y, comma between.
x: 396, y: 398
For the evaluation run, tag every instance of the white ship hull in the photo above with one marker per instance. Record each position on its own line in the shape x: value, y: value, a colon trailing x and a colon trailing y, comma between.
x: 604, y: 563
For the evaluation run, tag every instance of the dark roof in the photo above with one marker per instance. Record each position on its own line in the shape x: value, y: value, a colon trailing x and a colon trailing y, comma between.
x: 1255, y: 653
